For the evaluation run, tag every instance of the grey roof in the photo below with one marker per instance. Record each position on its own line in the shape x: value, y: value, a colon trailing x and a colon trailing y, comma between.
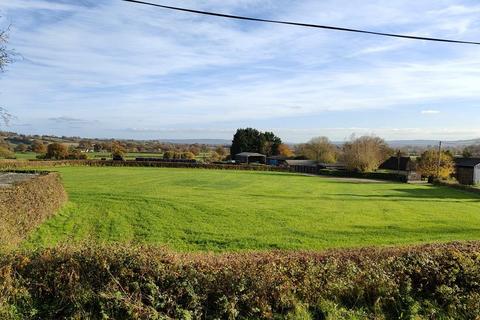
x: 250, y: 154
x: 301, y: 162
x: 397, y: 163
x: 467, y: 162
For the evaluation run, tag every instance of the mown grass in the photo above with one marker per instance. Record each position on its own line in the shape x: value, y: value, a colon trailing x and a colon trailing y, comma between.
x: 195, y: 210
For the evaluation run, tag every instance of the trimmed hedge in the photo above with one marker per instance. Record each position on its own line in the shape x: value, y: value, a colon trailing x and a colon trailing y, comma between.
x: 423, y: 282
x: 12, y: 164
x: 364, y: 175
x: 25, y: 205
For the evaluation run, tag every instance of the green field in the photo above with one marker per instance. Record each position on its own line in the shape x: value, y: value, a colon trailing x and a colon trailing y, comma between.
x: 193, y: 209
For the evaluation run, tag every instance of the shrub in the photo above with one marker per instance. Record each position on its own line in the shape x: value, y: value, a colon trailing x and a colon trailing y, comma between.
x: 56, y: 151
x: 25, y: 205
x: 425, y: 282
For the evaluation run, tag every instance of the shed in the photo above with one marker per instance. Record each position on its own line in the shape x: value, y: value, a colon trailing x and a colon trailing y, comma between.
x: 277, y: 160
x: 468, y: 170
x: 405, y: 164
x: 250, y: 157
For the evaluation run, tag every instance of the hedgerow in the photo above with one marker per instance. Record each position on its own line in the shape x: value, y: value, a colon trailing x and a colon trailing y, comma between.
x: 25, y: 205
x: 13, y: 164
x: 126, y: 282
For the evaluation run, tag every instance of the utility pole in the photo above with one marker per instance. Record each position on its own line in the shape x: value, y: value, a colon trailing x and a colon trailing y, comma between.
x: 439, y: 159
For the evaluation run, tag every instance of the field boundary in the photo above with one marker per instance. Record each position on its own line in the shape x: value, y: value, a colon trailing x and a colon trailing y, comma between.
x: 25, y: 205
x: 438, y: 281
x: 13, y: 164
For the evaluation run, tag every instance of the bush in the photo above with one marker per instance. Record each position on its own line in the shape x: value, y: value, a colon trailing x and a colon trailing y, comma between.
x: 425, y: 282
x: 25, y: 205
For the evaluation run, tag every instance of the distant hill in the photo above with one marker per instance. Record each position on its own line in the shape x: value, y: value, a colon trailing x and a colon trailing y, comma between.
x: 426, y: 143
x: 198, y: 141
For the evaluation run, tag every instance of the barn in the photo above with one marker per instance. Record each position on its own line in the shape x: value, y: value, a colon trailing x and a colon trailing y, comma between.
x: 403, y: 166
x: 250, y: 157
x: 468, y: 170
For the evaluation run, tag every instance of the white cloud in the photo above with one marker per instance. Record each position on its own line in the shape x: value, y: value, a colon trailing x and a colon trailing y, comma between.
x: 430, y: 111
x: 141, y: 67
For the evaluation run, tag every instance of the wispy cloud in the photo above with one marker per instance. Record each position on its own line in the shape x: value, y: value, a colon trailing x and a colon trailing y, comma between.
x: 133, y: 66
x: 430, y: 112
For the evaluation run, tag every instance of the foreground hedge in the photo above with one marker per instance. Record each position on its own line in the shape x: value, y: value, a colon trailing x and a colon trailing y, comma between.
x: 424, y: 282
x: 25, y: 205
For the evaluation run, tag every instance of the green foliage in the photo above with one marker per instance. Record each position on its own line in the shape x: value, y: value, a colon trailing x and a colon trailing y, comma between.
x: 222, y: 210
x: 252, y: 140
x: 129, y: 282
x: 56, y: 151
x: 428, y: 164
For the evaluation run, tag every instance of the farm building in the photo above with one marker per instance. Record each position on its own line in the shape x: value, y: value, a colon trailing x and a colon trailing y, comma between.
x: 304, y: 166
x: 402, y: 165
x: 250, y: 157
x: 277, y: 160
x: 468, y: 170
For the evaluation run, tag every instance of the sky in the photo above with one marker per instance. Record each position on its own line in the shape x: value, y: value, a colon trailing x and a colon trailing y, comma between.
x: 112, y: 69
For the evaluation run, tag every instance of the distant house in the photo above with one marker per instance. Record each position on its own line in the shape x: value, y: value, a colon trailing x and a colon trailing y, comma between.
x: 250, y: 157
x: 468, y: 170
x: 402, y: 165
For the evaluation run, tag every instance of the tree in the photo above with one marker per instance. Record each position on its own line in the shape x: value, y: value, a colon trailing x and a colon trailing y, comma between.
x: 252, y: 140
x: 57, y: 151
x: 272, y: 142
x: 21, y: 147
x: 38, y: 147
x: 319, y: 149
x: 118, y: 150
x: 5, y: 58
x: 168, y: 155
x: 285, y: 150
x: 221, y: 151
x: 428, y: 165
x: 188, y: 155
x: 6, y: 153
x: 366, y: 153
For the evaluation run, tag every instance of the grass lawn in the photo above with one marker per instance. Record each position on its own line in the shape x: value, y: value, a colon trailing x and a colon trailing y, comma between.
x: 25, y: 155
x: 193, y: 209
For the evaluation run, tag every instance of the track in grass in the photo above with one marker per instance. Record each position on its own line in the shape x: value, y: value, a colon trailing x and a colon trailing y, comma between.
x: 193, y: 209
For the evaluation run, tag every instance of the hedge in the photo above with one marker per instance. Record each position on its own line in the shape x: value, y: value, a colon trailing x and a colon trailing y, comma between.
x: 364, y: 175
x: 13, y: 164
x: 23, y: 206
x: 439, y: 281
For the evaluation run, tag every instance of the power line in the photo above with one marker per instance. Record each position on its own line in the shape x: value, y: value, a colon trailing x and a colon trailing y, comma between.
x: 308, y: 25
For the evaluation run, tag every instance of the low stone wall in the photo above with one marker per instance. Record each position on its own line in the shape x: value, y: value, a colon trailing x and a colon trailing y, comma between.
x: 26, y: 204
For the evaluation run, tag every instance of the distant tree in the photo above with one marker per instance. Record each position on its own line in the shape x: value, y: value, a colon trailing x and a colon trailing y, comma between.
x: 365, y: 154
x: 428, y: 165
x: 118, y: 150
x: 168, y: 155
x: 6, y: 153
x: 284, y: 150
x: 57, y: 151
x: 221, y: 151
x: 272, y: 143
x: 252, y: 140
x: 467, y: 153
x: 188, y: 155
x: 77, y: 155
x: 319, y: 149
x: 215, y: 156
x: 21, y: 147
x: 38, y: 147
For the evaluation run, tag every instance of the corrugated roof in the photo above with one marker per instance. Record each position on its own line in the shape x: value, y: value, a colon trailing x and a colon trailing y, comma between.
x: 301, y: 162
x: 392, y: 163
x: 467, y: 162
x: 250, y: 154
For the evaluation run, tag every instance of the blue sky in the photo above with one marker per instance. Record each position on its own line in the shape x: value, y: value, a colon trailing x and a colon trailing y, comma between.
x: 113, y: 69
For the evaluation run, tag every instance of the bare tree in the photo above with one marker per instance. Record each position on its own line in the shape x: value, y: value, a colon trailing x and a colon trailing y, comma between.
x: 5, y: 58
